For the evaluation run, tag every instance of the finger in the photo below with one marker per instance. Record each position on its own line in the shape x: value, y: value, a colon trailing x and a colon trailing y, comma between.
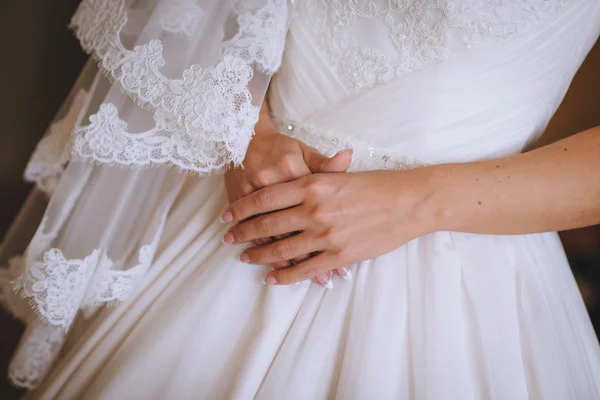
x: 308, y: 269
x: 345, y: 273
x: 325, y: 280
x: 288, y: 263
x: 317, y: 162
x: 282, y: 264
x: 271, y: 198
x: 282, y: 250
x: 313, y: 159
x: 285, y: 235
x: 338, y: 163
x: 262, y: 241
x: 296, y: 260
x: 265, y: 226
x: 245, y: 190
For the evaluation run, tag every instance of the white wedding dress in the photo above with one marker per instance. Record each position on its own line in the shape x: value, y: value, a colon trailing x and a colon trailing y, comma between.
x: 446, y: 316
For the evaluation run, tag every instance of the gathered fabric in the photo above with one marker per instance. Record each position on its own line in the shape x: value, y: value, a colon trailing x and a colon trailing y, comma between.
x: 169, y: 99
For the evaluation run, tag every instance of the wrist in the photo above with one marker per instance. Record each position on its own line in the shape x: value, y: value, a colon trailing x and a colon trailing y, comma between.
x: 429, y: 198
x: 448, y: 192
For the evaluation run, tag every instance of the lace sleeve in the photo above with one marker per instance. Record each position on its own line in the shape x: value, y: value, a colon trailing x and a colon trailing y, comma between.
x: 204, y: 116
x: 172, y: 87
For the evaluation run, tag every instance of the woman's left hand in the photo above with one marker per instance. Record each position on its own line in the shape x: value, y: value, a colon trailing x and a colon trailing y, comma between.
x: 344, y: 217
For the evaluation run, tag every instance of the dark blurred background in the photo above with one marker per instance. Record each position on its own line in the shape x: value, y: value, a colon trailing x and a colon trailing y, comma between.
x: 41, y: 59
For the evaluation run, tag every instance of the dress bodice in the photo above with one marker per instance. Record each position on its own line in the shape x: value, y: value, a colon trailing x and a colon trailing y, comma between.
x: 422, y: 79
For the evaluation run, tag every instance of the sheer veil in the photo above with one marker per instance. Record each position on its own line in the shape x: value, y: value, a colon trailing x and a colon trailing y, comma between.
x: 173, y: 87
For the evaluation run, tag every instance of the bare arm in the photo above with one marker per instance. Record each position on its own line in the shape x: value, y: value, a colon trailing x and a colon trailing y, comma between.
x: 556, y: 187
x: 352, y: 217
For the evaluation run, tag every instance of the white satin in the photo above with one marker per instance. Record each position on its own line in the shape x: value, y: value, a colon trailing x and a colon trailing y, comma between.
x: 446, y: 316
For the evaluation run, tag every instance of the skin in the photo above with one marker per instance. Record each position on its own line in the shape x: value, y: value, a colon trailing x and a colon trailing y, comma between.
x: 274, y: 158
x: 351, y: 217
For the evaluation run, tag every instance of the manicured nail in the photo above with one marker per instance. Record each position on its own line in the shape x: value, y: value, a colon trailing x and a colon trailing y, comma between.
x: 349, y: 151
x: 346, y: 274
x: 325, y: 281
x: 244, y: 257
x: 270, y: 280
x: 228, y: 238
x: 227, y: 217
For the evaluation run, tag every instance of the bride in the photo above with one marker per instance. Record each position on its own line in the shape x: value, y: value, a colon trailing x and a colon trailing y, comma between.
x: 382, y: 235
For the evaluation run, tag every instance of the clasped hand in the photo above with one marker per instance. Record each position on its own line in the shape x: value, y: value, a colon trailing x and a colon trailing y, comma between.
x: 340, y: 218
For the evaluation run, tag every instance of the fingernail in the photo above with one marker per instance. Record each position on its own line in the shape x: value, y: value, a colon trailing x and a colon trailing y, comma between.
x: 347, y: 276
x: 326, y: 282
x: 349, y: 151
x: 270, y: 280
x: 228, y: 238
x: 244, y: 257
x: 227, y: 217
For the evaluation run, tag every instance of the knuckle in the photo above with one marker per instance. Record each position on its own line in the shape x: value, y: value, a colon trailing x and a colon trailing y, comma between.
x: 247, y: 189
x: 315, y: 186
x: 318, y: 214
x: 332, y: 238
x: 282, y: 251
x: 260, y: 179
x: 262, y: 199
x: 264, y: 226
x: 289, y: 164
x: 308, y: 272
x: 237, y: 209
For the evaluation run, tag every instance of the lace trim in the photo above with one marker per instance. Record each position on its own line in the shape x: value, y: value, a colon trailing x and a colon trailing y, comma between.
x: 59, y: 288
x: 107, y: 140
x: 51, y: 155
x: 212, y: 104
x: 364, y: 158
x: 112, y: 286
x: 57, y: 285
x: 38, y: 348
x: 261, y: 37
x: 421, y: 31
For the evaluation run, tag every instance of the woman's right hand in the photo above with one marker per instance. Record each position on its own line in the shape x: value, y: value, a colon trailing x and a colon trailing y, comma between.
x: 275, y: 158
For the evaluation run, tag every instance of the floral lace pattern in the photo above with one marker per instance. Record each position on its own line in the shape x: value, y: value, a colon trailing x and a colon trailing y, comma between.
x: 261, y: 35
x: 212, y: 105
x: 59, y: 288
x: 421, y: 32
x: 57, y: 285
x: 107, y: 140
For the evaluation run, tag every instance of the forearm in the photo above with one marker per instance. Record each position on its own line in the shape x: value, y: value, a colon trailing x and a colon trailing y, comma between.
x: 553, y: 188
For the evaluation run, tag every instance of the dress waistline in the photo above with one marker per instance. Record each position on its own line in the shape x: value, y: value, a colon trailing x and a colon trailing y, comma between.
x: 365, y: 157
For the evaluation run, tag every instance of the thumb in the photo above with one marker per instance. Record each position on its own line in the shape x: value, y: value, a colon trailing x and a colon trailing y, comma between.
x: 318, y: 163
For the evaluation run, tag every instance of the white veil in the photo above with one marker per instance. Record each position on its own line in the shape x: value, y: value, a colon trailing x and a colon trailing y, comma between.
x: 173, y: 87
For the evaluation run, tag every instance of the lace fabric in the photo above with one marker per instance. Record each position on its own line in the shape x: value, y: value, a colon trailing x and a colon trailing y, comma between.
x: 200, y: 84
x: 180, y: 67
x: 418, y: 32
x: 260, y: 38
x: 209, y: 113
